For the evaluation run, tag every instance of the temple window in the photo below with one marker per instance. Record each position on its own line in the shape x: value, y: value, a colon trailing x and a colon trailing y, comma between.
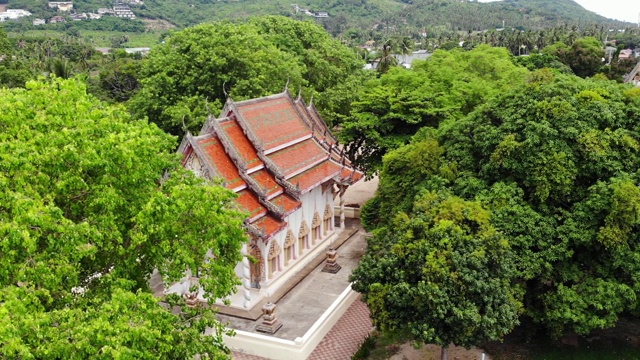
x: 256, y: 267
x: 315, y: 228
x: 328, y: 215
x: 289, y: 253
x: 273, y: 258
x: 303, y: 237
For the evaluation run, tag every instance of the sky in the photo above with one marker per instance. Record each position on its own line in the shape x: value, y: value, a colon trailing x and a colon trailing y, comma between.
x: 626, y: 10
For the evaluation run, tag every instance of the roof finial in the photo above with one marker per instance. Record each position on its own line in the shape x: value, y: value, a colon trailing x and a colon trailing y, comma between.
x: 286, y: 86
x: 299, y: 94
x: 184, y: 126
x: 311, y: 101
x: 225, y: 90
x: 206, y: 103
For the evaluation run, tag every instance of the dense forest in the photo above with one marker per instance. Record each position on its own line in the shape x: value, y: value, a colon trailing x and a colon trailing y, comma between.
x: 509, y: 188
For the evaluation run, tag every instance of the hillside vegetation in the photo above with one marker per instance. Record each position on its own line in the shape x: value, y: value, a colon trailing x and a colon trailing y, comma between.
x: 359, y: 19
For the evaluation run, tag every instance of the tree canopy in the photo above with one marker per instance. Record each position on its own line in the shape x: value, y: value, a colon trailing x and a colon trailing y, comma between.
x: 584, y: 56
x: 441, y: 272
x: 246, y: 60
x: 91, y: 202
x: 448, y: 85
x: 555, y: 164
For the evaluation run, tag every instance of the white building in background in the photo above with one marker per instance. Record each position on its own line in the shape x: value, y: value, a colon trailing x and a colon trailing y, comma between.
x: 123, y: 11
x: 61, y: 5
x: 105, y: 11
x: 13, y: 14
x: 37, y: 22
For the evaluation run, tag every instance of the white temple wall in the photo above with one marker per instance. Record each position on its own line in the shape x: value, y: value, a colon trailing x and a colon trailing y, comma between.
x: 313, y: 202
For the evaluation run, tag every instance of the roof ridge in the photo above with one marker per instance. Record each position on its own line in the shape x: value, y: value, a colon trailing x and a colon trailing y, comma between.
x: 261, y: 99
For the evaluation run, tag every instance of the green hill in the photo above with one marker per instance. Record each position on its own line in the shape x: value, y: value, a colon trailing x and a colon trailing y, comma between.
x: 364, y: 14
x: 358, y: 18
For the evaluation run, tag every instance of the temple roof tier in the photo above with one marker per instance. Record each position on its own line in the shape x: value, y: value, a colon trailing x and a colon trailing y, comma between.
x: 270, y: 151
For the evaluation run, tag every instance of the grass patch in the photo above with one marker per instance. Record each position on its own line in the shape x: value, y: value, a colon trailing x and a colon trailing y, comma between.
x: 97, y: 38
x: 619, y: 343
x: 380, y: 346
x: 553, y: 352
x: 101, y: 38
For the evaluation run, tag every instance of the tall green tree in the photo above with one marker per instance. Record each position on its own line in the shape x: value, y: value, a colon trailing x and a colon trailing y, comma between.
x: 442, y: 273
x: 200, y: 64
x: 13, y: 72
x: 245, y: 60
x: 584, y: 56
x: 448, y: 85
x: 91, y: 203
x: 555, y: 163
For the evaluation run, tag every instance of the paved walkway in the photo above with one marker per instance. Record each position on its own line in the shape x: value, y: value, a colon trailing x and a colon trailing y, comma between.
x: 342, y: 341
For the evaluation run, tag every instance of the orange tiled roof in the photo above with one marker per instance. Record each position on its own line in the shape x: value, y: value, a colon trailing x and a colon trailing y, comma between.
x: 286, y: 202
x: 274, y: 120
x: 222, y: 163
x: 267, y: 181
x: 298, y: 156
x: 355, y: 176
x: 243, y: 146
x: 270, y: 225
x: 250, y: 203
x: 316, y: 175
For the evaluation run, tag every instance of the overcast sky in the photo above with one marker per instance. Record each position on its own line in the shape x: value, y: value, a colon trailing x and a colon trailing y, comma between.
x: 627, y: 10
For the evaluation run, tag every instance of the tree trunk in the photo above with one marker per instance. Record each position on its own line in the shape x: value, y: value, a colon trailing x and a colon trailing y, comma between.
x: 444, y: 353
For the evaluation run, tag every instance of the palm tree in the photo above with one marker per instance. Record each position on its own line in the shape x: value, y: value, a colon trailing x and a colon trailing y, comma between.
x: 60, y: 68
x: 386, y: 59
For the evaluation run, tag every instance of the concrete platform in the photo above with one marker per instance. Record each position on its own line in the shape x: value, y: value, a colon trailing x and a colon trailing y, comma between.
x: 351, y: 229
x: 312, y: 292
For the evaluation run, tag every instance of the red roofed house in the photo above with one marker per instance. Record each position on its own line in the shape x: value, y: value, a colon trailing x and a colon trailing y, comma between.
x: 278, y: 155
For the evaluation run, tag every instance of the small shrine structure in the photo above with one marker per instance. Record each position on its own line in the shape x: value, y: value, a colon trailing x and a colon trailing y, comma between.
x: 278, y: 155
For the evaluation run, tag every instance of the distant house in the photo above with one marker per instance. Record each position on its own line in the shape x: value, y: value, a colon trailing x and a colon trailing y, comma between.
x: 61, y: 5
x: 37, y: 22
x: 318, y: 14
x: 13, y: 14
x: 141, y: 51
x: 123, y: 11
x: 625, y: 54
x: 103, y: 50
x: 105, y: 11
x: 57, y: 19
x: 78, y: 17
x: 94, y: 16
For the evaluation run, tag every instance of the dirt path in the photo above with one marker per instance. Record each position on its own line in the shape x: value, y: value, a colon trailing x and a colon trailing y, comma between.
x: 432, y: 352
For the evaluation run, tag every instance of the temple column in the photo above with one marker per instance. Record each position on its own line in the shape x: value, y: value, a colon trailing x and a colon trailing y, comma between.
x: 342, y: 190
x: 246, y: 276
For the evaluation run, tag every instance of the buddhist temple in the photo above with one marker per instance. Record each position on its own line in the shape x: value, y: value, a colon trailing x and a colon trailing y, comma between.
x: 280, y: 158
